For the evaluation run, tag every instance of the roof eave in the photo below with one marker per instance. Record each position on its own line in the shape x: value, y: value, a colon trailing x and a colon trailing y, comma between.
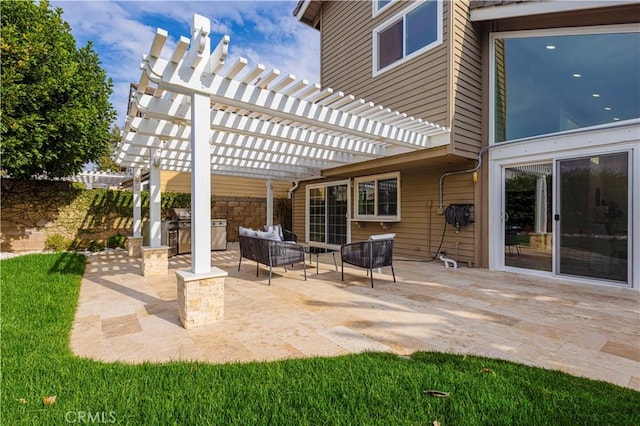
x: 513, y: 10
x: 308, y: 15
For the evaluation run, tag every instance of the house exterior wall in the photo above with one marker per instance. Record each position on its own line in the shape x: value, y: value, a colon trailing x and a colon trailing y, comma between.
x: 419, y: 87
x: 466, y: 81
x: 552, y: 147
x: 443, y: 86
x: 230, y: 186
x: 420, y: 231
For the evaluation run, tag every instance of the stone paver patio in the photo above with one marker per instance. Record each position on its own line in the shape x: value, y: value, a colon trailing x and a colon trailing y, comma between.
x: 582, y: 329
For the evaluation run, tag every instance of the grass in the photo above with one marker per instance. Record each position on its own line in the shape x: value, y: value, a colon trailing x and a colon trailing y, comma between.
x: 39, y: 297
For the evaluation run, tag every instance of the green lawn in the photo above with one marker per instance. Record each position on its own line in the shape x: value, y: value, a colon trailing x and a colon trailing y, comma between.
x: 39, y: 297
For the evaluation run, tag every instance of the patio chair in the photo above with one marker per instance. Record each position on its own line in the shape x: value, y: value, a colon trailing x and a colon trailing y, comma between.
x: 374, y: 253
x: 284, y: 234
x: 511, y: 240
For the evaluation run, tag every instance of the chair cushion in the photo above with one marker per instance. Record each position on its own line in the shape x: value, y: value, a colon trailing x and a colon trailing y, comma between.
x: 382, y: 236
x: 267, y: 235
x: 247, y: 231
x: 277, y: 229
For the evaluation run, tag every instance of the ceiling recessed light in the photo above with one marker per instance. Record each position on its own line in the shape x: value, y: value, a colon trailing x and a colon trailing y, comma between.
x: 596, y: 95
x: 616, y: 118
x: 607, y: 108
x: 550, y: 47
x: 576, y: 75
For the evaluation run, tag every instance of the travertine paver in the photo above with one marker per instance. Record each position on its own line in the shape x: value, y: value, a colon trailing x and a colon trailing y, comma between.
x: 586, y: 330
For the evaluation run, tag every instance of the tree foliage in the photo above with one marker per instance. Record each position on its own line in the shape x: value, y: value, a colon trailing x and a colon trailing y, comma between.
x: 105, y: 162
x: 56, y: 112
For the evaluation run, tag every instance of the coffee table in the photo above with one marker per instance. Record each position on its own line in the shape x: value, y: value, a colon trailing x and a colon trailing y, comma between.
x: 317, y: 251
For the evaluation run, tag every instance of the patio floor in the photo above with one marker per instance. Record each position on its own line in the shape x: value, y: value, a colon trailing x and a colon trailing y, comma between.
x: 582, y: 329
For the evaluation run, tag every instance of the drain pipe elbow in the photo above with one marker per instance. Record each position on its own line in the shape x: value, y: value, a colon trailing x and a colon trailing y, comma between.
x: 295, y: 186
x: 458, y: 172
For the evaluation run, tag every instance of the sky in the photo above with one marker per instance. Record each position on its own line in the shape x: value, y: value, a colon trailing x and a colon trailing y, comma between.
x: 264, y: 32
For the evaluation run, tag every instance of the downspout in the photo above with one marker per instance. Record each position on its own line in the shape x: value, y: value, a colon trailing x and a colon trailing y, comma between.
x: 459, y: 172
x: 296, y: 184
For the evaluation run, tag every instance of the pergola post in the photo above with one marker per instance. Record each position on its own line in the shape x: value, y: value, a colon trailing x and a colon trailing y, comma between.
x: 200, y: 185
x: 217, y: 117
x: 269, y: 184
x: 134, y: 243
x: 541, y: 205
x: 137, y: 203
x: 201, y: 290
x: 155, y: 257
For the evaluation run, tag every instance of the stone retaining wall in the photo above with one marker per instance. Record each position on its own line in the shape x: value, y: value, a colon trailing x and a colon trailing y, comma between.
x: 33, y: 210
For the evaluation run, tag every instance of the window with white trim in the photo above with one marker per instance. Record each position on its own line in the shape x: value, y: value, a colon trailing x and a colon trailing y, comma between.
x: 557, y: 80
x: 378, y: 197
x: 407, y: 34
x: 378, y: 5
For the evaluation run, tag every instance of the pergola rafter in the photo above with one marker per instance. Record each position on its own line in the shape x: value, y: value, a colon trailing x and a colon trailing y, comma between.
x: 193, y: 112
x: 253, y: 106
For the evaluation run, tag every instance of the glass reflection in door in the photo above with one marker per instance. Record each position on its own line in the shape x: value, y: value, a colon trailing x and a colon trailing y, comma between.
x: 527, y: 217
x: 594, y: 217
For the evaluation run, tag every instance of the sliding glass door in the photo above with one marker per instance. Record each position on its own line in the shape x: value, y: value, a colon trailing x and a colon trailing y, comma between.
x: 593, y: 219
x: 527, y: 216
x: 327, y: 214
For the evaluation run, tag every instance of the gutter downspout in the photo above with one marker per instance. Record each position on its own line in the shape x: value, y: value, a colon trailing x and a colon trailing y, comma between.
x: 459, y: 172
x: 296, y: 184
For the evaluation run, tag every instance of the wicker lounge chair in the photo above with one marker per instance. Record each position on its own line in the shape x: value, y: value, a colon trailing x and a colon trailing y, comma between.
x: 271, y: 253
x: 371, y: 254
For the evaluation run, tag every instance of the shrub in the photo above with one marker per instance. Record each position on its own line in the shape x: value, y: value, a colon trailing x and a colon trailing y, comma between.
x: 95, y: 246
x: 57, y: 242
x: 116, y: 241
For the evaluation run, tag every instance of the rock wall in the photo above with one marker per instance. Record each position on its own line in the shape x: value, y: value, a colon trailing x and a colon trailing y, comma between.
x: 32, y: 211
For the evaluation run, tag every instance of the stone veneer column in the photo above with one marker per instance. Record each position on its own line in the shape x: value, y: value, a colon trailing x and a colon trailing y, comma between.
x: 134, y: 246
x: 155, y: 261
x: 200, y: 297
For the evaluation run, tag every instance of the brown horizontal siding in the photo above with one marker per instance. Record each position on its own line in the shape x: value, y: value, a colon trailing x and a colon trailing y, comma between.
x: 467, y: 81
x: 419, y: 233
x: 224, y: 185
x: 418, y: 87
x: 626, y: 14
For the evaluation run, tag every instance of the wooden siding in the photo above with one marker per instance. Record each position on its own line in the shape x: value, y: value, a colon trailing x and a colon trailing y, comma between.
x: 419, y: 233
x: 614, y: 15
x: 466, y: 81
x: 224, y: 185
x: 418, y: 87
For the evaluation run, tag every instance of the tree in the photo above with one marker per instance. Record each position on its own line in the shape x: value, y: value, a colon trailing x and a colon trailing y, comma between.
x: 56, y: 113
x: 106, y: 162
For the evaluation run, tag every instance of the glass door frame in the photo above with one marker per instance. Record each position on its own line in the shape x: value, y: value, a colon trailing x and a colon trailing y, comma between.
x: 497, y: 247
x: 632, y: 205
x: 325, y: 185
x: 510, y: 156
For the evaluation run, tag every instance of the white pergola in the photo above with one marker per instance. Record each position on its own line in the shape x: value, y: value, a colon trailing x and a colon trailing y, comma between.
x: 100, y: 179
x: 194, y: 112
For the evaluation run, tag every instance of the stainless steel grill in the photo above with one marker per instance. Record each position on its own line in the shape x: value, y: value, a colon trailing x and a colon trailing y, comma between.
x: 180, y: 220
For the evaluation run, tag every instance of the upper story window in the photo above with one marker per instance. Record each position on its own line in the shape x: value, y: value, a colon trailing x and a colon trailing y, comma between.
x: 378, y: 5
x: 378, y: 197
x: 407, y: 34
x: 551, y: 81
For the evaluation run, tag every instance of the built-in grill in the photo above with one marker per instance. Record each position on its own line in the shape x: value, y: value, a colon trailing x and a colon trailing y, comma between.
x: 180, y: 220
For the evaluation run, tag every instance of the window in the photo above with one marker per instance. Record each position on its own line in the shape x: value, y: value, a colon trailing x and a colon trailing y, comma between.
x: 327, y: 213
x: 547, y: 82
x: 378, y: 5
x: 378, y: 197
x: 412, y: 32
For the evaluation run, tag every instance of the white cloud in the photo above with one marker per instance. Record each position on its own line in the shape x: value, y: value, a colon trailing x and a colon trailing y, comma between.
x: 263, y: 31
